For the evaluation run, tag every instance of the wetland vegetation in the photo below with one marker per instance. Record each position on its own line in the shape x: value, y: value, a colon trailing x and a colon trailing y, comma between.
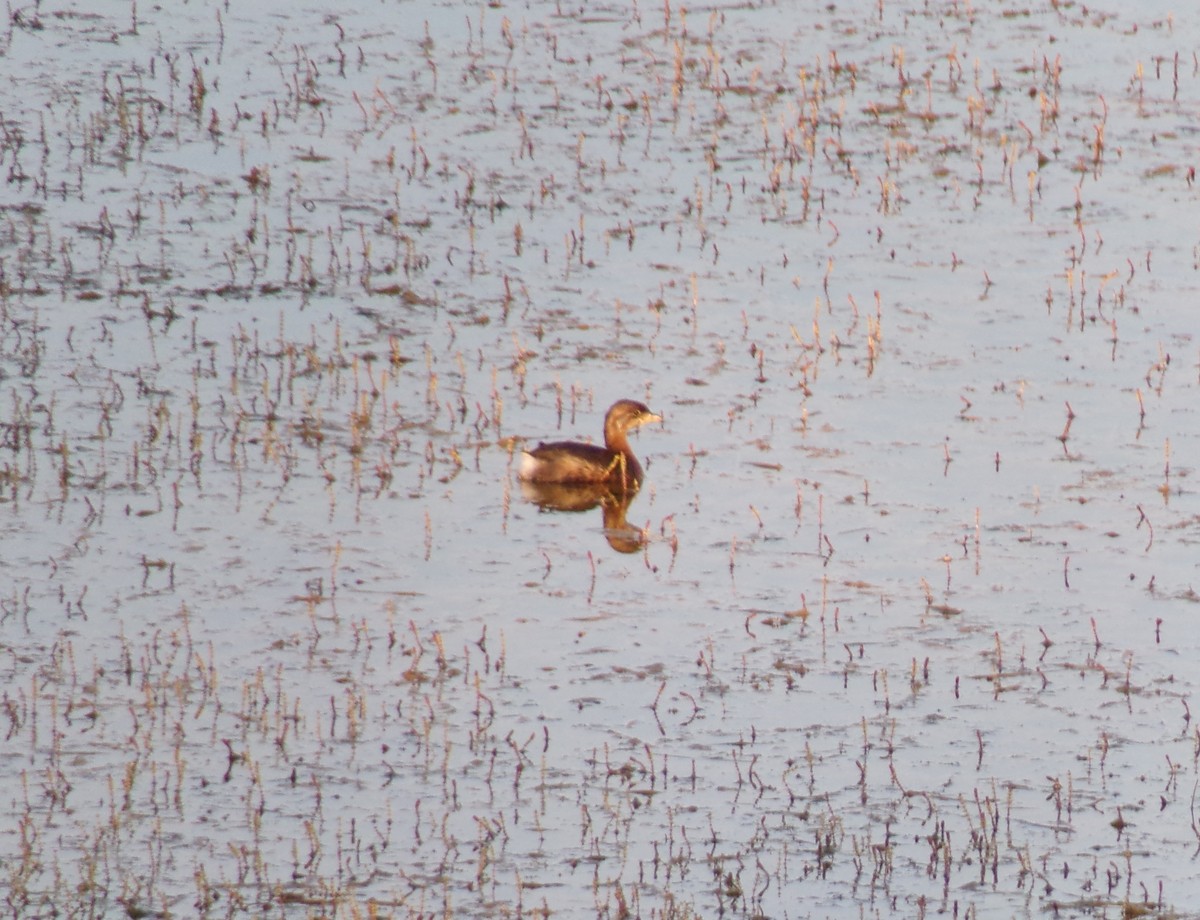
x: 899, y: 623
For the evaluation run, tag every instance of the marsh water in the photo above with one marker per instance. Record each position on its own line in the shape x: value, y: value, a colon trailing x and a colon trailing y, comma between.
x: 903, y: 621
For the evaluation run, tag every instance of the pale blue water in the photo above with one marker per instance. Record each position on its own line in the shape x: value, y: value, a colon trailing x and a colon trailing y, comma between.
x: 278, y: 286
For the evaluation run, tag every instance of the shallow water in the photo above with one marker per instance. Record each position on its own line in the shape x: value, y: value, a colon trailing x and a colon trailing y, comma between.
x: 282, y: 294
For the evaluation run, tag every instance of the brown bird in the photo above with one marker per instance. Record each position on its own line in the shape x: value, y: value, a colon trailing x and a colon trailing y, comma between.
x: 613, y: 464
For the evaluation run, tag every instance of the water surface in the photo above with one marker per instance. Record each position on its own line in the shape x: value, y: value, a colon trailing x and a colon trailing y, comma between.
x: 283, y: 292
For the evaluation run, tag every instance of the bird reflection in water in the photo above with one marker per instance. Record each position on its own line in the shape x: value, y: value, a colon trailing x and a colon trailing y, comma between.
x: 620, y: 534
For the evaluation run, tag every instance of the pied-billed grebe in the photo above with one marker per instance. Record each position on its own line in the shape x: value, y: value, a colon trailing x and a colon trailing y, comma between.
x: 572, y: 462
